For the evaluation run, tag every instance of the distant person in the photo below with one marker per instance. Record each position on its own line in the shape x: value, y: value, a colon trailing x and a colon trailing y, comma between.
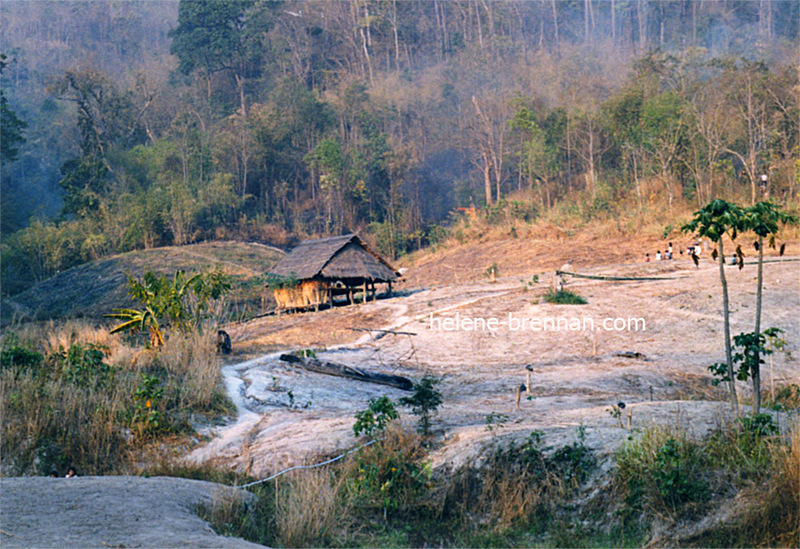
x: 647, y: 257
x: 71, y: 473
x: 658, y: 255
x: 669, y: 251
x: 698, y: 248
x: 53, y: 474
x: 223, y: 342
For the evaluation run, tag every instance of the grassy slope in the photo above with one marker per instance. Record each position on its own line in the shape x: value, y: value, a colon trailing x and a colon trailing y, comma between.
x: 95, y: 288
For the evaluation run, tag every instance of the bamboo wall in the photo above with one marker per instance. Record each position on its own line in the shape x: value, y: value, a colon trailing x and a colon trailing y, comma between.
x: 309, y: 293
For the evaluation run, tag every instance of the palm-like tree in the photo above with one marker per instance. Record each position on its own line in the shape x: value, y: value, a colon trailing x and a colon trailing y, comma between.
x: 162, y: 301
x: 764, y: 219
x: 713, y: 221
x: 137, y: 320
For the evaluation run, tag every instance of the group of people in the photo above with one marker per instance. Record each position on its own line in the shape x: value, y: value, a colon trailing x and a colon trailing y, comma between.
x: 71, y: 473
x: 691, y: 250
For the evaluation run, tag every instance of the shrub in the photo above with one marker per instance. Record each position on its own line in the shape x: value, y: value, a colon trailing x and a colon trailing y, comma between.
x: 424, y: 402
x: 81, y: 405
x: 15, y: 353
x: 660, y: 473
x: 519, y: 484
x: 375, y: 418
x: 390, y: 474
x: 84, y: 365
x: 564, y: 297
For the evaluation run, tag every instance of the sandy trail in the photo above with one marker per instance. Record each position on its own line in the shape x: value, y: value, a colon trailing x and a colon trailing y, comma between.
x: 289, y: 415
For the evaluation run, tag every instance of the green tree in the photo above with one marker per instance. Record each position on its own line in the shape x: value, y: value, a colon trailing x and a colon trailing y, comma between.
x: 714, y: 221
x: 538, y: 158
x: 11, y: 126
x: 424, y: 402
x: 222, y: 35
x: 764, y: 219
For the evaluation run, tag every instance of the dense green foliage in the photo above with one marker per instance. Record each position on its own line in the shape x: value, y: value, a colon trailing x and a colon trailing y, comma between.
x: 181, y: 302
x: 564, y: 297
x: 375, y: 418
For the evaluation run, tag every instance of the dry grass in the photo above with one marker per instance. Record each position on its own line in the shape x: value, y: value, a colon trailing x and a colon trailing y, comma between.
x: 53, y: 419
x: 310, y: 508
x: 191, y: 361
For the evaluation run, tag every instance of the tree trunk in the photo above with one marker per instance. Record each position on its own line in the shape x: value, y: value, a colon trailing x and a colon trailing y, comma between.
x: 726, y: 316
x: 487, y: 179
x: 555, y: 25
x: 340, y: 370
x: 757, y: 365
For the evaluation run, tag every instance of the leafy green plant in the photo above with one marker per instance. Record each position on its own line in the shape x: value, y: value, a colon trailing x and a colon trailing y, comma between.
x: 424, y: 402
x: 146, y: 419
x: 16, y: 353
x: 85, y: 365
x: 564, y: 297
x: 495, y: 422
x: 390, y: 474
x: 374, y: 419
x: 758, y: 425
x: 749, y: 348
x: 661, y: 472
x: 675, y: 475
x: 164, y: 302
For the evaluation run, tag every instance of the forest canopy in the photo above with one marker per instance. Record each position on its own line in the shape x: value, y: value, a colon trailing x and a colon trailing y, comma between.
x: 136, y: 124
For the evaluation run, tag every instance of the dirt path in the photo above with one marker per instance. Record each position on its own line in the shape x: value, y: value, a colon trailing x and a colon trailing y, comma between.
x: 110, y: 512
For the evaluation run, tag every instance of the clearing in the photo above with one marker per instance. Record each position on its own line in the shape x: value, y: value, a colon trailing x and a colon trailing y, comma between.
x: 289, y: 416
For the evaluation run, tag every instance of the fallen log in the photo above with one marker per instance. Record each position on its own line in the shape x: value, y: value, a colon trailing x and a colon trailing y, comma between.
x: 333, y: 369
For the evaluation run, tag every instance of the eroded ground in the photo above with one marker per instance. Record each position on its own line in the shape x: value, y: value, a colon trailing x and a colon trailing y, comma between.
x: 288, y: 415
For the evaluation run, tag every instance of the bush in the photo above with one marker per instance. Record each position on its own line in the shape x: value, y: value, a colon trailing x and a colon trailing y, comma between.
x: 660, y: 473
x: 15, y: 353
x: 84, y: 365
x: 375, y: 418
x: 424, y: 402
x: 564, y: 297
x: 390, y: 474
x: 86, y: 405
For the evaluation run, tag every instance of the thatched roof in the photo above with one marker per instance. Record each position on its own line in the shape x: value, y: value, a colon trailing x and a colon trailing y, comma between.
x: 339, y: 257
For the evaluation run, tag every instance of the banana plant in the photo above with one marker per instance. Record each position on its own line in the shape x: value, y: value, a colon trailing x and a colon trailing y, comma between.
x: 162, y: 301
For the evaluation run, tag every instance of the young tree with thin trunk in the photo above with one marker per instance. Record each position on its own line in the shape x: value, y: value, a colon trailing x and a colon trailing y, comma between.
x: 714, y: 221
x: 764, y: 219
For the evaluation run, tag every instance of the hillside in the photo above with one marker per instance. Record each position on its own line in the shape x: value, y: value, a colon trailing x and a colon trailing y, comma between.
x: 93, y: 289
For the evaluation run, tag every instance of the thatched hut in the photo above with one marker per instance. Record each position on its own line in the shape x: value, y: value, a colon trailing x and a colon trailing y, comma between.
x: 317, y: 271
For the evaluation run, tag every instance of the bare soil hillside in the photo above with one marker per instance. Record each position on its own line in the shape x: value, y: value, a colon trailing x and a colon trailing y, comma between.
x: 657, y: 367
